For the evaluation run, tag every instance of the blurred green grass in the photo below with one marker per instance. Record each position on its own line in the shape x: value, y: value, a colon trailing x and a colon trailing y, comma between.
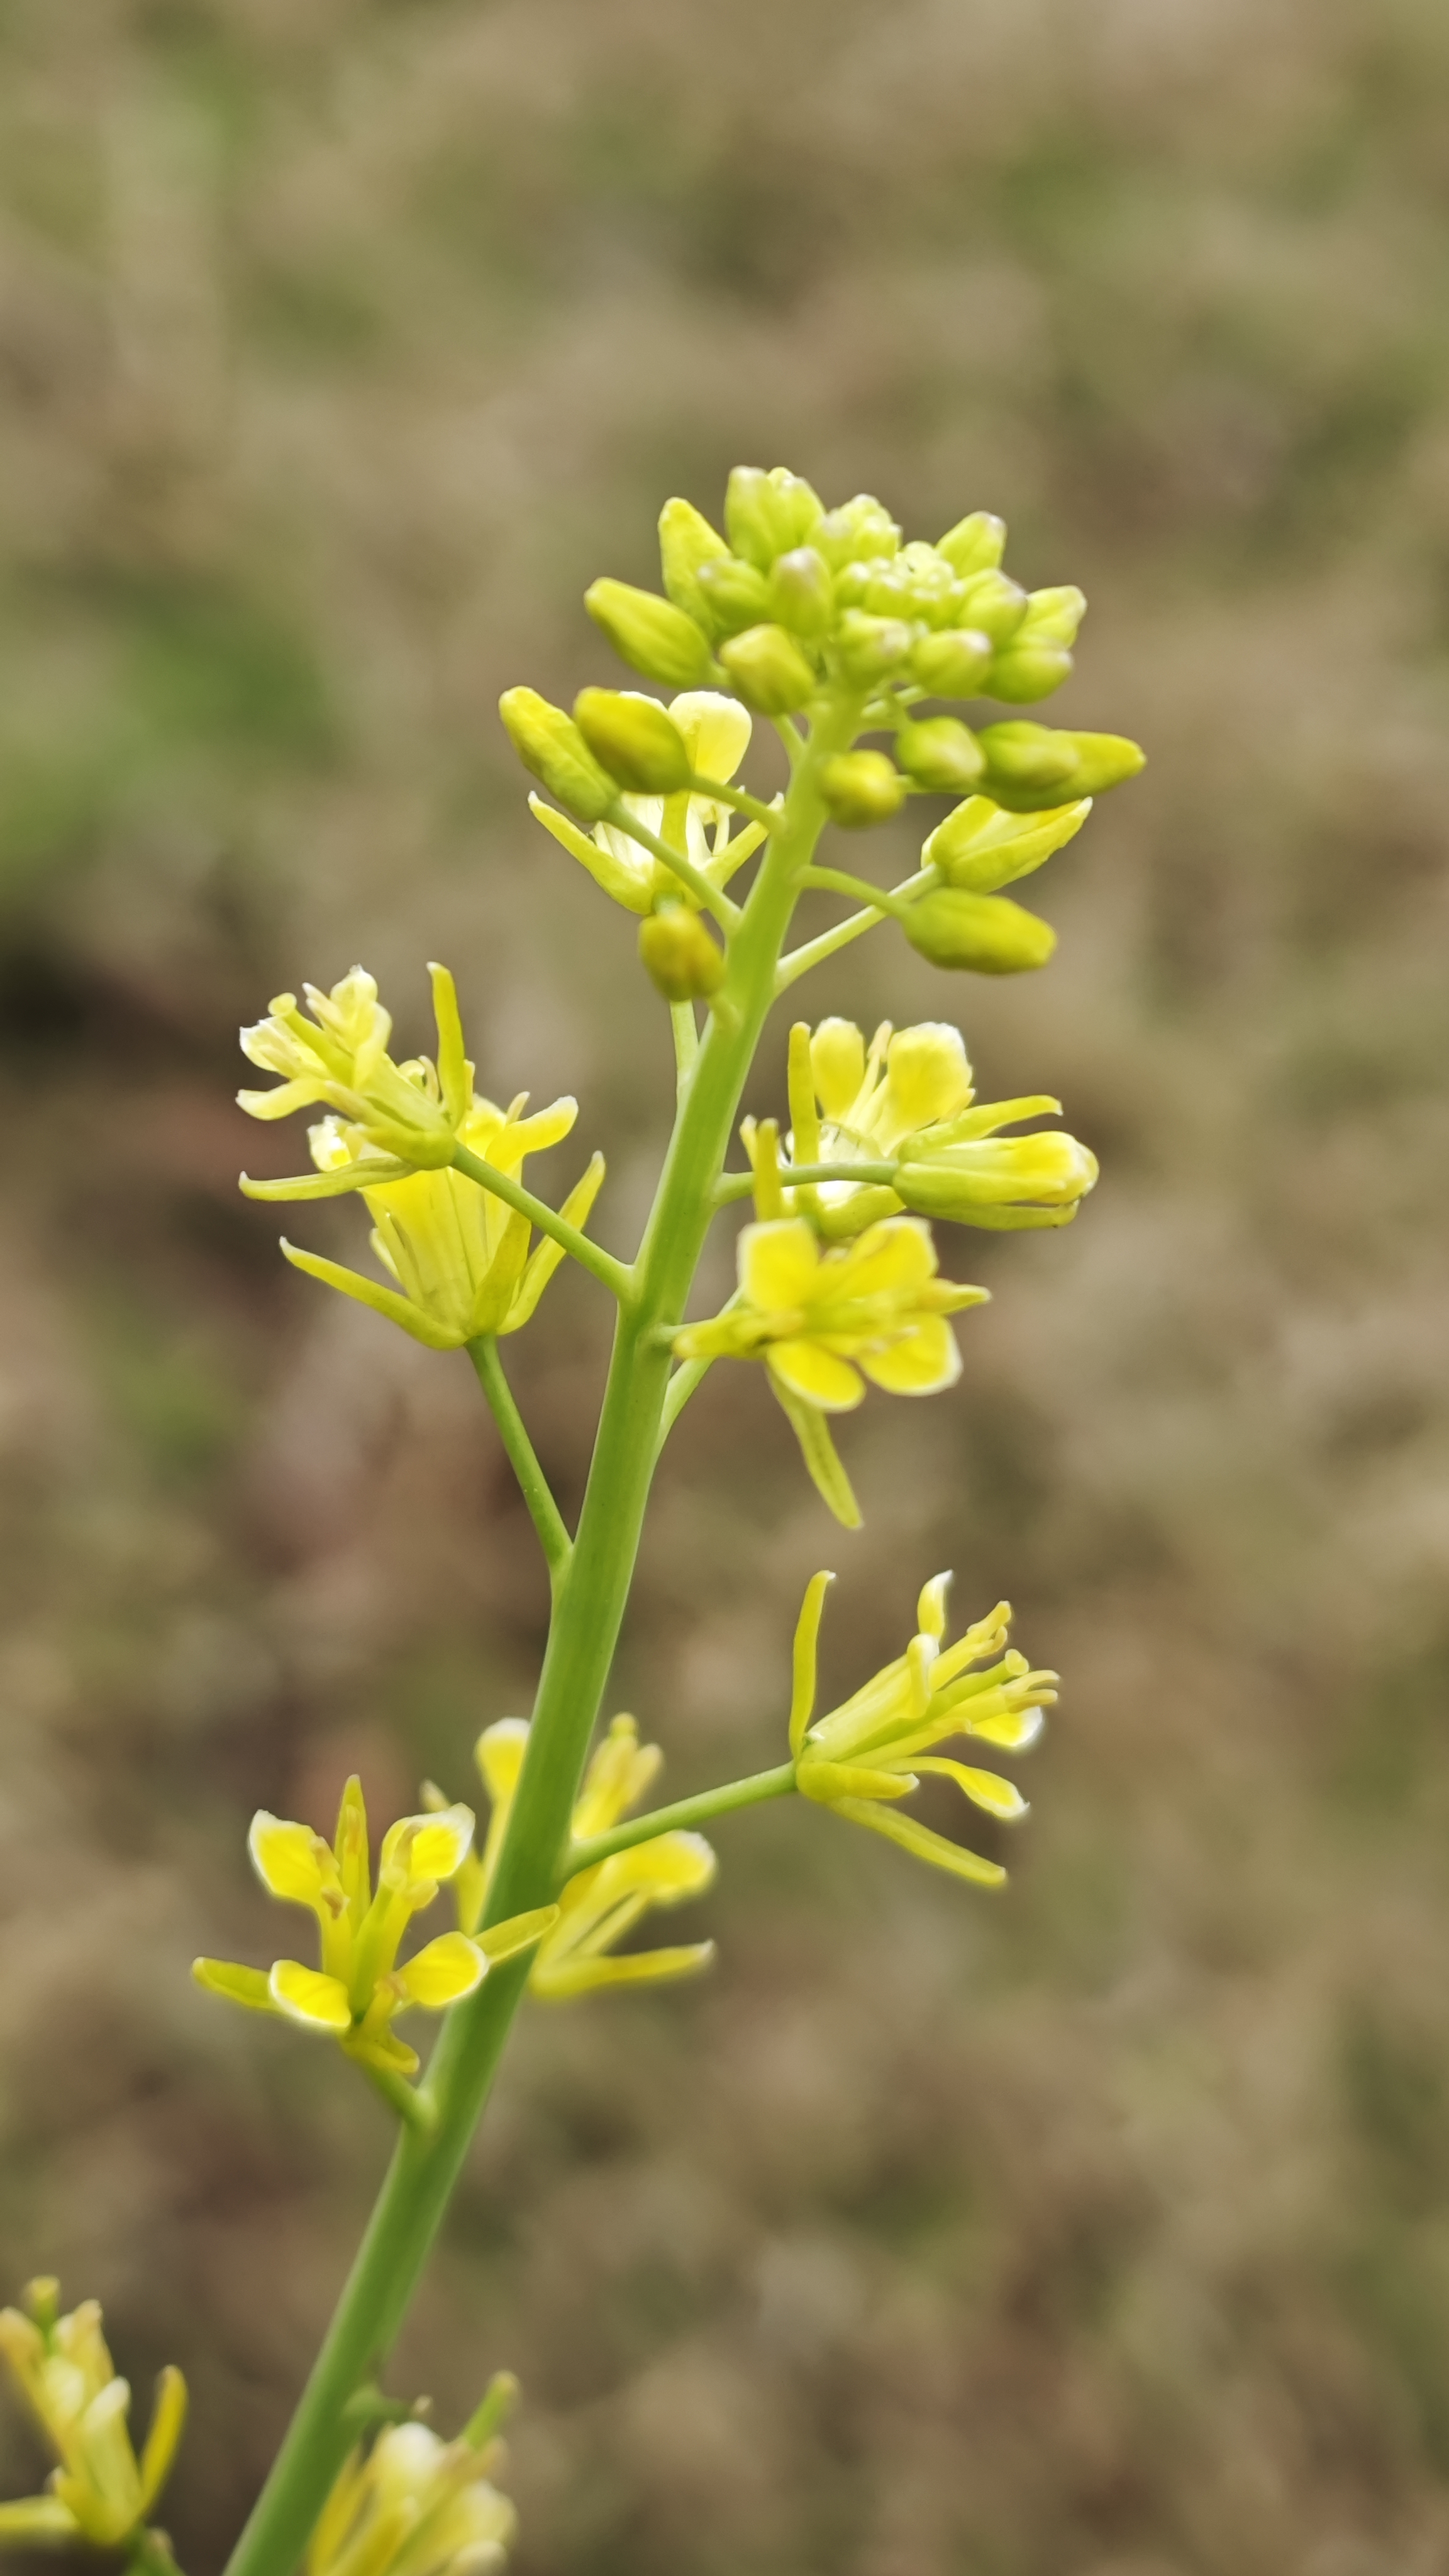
x: 1103, y: 2230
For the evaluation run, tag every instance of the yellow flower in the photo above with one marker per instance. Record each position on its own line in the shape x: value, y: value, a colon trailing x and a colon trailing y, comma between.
x: 908, y: 1101
x: 414, y: 2505
x: 716, y: 732
x: 459, y: 1257
x: 598, y: 1906
x: 100, y: 2492
x: 870, y: 1752
x: 359, y: 1988
x: 339, y: 1060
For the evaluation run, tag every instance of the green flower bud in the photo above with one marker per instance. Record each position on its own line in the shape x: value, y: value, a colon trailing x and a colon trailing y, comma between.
x: 767, y: 514
x: 636, y: 740
x: 686, y: 543
x: 768, y: 670
x: 858, y: 532
x: 735, y: 595
x: 953, y: 664
x: 650, y: 633
x: 986, y: 933
x: 941, y: 753
x: 866, y: 648
x: 1029, y: 767
x: 934, y: 591
x: 861, y: 787
x: 1026, y: 672
x: 976, y: 544
x: 996, y: 604
x: 802, y: 594
x: 679, y: 955
x: 551, y: 745
x: 1053, y: 616
x: 982, y: 847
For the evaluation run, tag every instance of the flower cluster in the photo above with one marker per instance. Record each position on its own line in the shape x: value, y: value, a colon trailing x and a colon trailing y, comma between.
x: 360, y: 1988
x: 100, y: 2491
x: 599, y: 1905
x: 869, y: 1753
x: 415, y: 2505
x: 907, y: 1101
x: 458, y: 1258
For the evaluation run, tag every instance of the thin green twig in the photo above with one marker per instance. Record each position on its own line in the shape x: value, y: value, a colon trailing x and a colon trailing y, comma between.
x: 615, y: 1275
x: 684, y: 1814
x: 544, y: 1512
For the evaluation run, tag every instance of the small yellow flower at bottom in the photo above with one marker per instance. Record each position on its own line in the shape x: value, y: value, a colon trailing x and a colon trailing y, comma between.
x: 598, y: 1906
x: 359, y: 1988
x: 869, y: 1753
x: 825, y: 1320
x: 100, y: 2492
x: 414, y: 2505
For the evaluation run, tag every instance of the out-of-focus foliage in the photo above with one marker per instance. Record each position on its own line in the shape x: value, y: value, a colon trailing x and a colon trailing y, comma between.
x: 1101, y: 2228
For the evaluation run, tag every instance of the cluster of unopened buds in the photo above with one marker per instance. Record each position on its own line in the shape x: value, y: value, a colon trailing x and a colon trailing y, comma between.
x: 831, y: 628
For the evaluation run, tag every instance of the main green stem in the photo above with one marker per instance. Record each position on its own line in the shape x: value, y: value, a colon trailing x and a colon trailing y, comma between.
x: 589, y: 1607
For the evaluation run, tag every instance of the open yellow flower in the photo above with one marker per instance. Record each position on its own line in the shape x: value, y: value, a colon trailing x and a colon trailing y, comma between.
x: 359, y: 1987
x: 338, y: 1060
x: 908, y: 1100
x: 598, y: 1906
x: 414, y: 2505
x: 716, y: 732
x: 870, y: 1752
x: 100, y: 2492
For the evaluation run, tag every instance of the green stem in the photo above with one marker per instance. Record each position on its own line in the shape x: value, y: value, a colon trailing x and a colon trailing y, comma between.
x: 684, y: 1814
x: 589, y: 1256
x: 544, y: 1512
x: 737, y: 1185
x: 582, y: 1637
x: 830, y: 942
x: 700, y: 886
x: 686, y: 1040
x: 836, y: 881
x: 767, y: 816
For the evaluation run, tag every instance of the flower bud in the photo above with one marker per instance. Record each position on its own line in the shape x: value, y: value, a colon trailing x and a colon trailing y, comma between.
x: 976, y: 544
x: 994, y: 603
x: 687, y: 543
x: 952, y: 664
x: 679, y: 955
x: 635, y: 738
x: 866, y: 648
x: 735, y: 595
x: 986, y: 933
x: 1029, y: 767
x: 767, y: 514
x: 768, y: 670
x: 858, y: 532
x: 1053, y: 616
x: 941, y: 753
x: 999, y: 1180
x: 981, y: 846
x: 551, y: 745
x: 802, y: 592
x: 1026, y: 672
x: 650, y: 633
x: 861, y: 787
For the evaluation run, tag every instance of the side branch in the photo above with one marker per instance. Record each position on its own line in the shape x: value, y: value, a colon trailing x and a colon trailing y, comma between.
x: 590, y: 1256
x: 544, y: 1512
x: 815, y: 951
x: 685, y: 1812
x: 700, y: 886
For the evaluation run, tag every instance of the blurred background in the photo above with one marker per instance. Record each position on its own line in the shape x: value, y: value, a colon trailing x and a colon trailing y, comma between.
x: 1101, y: 2229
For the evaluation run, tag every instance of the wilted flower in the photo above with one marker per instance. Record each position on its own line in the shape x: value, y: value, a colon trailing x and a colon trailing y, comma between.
x: 869, y: 1753
x: 598, y: 1906
x: 100, y: 2492
x: 358, y: 1989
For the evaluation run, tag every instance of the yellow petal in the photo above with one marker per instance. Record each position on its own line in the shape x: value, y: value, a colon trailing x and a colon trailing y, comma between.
x: 420, y: 1851
x: 985, y: 1789
x: 1014, y: 1729
x: 665, y: 1871
x: 923, y: 1361
x: 827, y: 1475
x: 779, y: 1263
x: 827, y: 1782
x: 168, y: 2416
x: 921, y: 1843
x: 38, y: 2518
x: 305, y: 1995
x: 518, y: 1932
x: 817, y: 1376
x: 837, y: 1061
x: 931, y: 1607
x: 641, y: 1968
x: 383, y: 1301
x: 447, y: 1968
x: 249, y: 1986
x: 716, y: 731
x: 291, y: 1861
x: 803, y: 1657
x: 499, y: 1754
x: 928, y: 1077
x: 894, y: 1255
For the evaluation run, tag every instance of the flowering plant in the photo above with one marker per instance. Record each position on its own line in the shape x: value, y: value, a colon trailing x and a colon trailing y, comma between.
x: 831, y: 629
